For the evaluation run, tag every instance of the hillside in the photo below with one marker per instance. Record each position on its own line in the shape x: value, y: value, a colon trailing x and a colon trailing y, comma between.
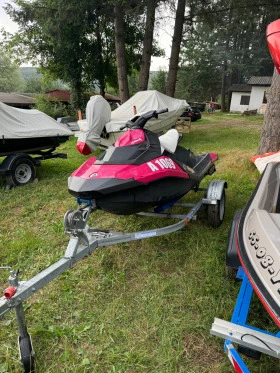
x: 27, y: 72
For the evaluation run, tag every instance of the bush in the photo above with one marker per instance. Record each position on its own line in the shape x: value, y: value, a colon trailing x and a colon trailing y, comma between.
x: 53, y: 108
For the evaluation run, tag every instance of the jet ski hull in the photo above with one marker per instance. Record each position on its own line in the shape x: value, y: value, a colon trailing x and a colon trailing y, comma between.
x: 258, y: 240
x: 130, y: 197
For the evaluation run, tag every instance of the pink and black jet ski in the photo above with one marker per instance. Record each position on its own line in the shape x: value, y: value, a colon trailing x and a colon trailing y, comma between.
x: 141, y: 170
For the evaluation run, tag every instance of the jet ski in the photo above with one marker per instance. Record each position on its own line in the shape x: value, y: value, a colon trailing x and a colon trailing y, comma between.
x: 140, y: 170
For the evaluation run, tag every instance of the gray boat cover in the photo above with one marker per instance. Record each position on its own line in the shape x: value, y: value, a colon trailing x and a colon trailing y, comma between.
x: 99, y: 116
x: 23, y: 123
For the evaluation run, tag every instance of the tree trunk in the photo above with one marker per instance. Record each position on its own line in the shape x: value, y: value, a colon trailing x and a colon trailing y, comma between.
x: 175, y: 49
x: 147, y: 46
x: 270, y: 136
x: 120, y: 53
x: 223, y: 87
x: 100, y: 63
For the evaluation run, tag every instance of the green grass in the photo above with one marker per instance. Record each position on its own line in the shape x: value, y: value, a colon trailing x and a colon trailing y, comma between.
x: 144, y: 306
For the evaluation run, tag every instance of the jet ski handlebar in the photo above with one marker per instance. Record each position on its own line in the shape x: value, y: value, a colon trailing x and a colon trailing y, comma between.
x: 139, y: 121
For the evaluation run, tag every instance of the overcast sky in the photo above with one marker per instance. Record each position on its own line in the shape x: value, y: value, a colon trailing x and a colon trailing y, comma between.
x: 163, y: 36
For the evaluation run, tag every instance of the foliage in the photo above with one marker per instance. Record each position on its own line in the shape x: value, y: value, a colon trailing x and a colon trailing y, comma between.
x: 224, y: 44
x: 39, y: 84
x: 199, y: 78
x: 74, y: 42
x: 145, y: 306
x: 158, y: 81
x: 53, y: 108
x: 133, y: 79
x: 10, y: 77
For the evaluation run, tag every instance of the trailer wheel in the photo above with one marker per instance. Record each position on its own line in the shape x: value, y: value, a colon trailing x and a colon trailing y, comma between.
x: 22, y: 171
x: 26, y: 354
x: 216, y: 212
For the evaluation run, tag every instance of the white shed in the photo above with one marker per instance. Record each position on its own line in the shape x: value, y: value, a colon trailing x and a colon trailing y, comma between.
x: 250, y: 96
x: 240, y: 97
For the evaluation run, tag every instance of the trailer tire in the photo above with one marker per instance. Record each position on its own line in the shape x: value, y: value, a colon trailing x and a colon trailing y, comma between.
x: 22, y: 171
x: 26, y: 354
x: 216, y: 212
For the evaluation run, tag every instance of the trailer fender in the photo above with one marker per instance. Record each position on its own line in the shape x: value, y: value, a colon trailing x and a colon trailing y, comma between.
x: 10, y: 159
x: 232, y: 258
x: 215, y: 191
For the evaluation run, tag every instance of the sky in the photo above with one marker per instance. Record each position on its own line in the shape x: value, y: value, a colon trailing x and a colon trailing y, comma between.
x: 163, y: 36
x: 5, y: 20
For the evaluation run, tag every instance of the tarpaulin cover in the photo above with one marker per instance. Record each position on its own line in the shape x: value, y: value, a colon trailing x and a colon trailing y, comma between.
x: 145, y: 101
x: 98, y: 113
x: 23, y: 123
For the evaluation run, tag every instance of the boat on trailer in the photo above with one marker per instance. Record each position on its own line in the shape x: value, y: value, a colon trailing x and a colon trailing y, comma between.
x: 27, y: 132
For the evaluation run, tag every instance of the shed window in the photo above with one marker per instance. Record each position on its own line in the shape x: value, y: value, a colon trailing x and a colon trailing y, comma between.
x: 245, y: 100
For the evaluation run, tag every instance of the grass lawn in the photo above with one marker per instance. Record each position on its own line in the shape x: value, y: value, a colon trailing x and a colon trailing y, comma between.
x: 144, y: 306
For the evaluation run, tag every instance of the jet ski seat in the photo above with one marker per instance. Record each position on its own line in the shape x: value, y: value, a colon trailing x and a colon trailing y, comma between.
x: 169, y: 141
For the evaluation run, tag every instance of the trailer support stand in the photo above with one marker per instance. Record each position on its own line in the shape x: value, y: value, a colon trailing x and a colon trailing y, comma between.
x: 250, y: 340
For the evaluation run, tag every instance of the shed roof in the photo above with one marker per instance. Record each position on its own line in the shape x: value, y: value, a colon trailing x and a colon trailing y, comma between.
x: 240, y: 88
x: 64, y: 95
x: 16, y: 99
x: 260, y: 80
x: 59, y: 94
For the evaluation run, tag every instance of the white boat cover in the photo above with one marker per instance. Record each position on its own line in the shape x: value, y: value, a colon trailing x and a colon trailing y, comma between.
x: 145, y: 101
x: 99, y: 116
x: 98, y: 113
x: 23, y: 123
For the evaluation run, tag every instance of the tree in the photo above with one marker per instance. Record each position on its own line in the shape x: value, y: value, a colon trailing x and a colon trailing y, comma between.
x: 158, y: 81
x: 199, y: 76
x: 270, y: 139
x: 133, y: 80
x: 10, y: 77
x: 120, y: 52
x: 148, y: 45
x: 53, y: 36
x: 74, y: 42
x: 39, y: 84
x: 175, y: 49
x: 227, y: 37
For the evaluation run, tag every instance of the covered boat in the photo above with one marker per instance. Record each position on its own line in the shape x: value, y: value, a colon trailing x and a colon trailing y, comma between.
x: 29, y: 131
x: 102, y: 128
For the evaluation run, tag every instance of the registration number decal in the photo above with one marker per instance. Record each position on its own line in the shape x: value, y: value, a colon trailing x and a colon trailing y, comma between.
x: 265, y: 260
x: 161, y: 164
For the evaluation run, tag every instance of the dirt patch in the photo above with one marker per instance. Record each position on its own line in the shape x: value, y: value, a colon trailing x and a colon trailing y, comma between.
x: 197, y: 349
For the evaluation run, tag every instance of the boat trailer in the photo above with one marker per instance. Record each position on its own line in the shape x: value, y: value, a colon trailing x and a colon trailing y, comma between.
x: 19, y: 168
x: 250, y: 341
x: 83, y: 241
